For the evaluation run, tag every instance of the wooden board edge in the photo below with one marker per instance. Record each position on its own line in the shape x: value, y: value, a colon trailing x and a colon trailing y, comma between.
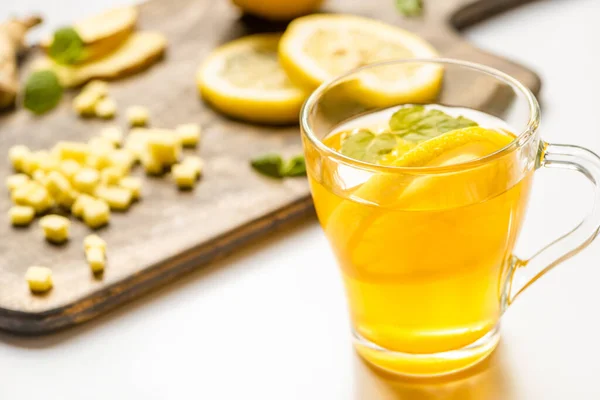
x: 166, y: 271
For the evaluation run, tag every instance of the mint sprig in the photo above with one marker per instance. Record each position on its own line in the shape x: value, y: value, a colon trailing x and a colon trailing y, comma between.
x: 273, y: 166
x: 42, y: 91
x: 67, y: 46
x: 416, y: 123
x: 411, y: 123
x: 410, y: 8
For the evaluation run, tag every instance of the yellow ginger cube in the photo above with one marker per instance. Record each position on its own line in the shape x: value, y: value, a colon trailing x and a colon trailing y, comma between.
x: 21, y: 215
x: 33, y: 194
x: 39, y: 279
x: 96, y: 213
x: 19, y: 195
x: 164, y: 147
x: 136, y: 141
x: 49, y: 163
x: 15, y: 181
x: 96, y: 87
x: 71, y: 151
x: 133, y: 184
x: 96, y: 259
x: 194, y: 162
x: 116, y: 197
x: 151, y: 165
x: 69, y: 168
x: 56, y: 183
x: 114, y: 134
x: 101, y: 143
x: 40, y: 177
x: 84, y: 104
x: 94, y: 241
x: 184, y: 176
x: 16, y: 155
x: 138, y: 115
x: 31, y: 162
x: 188, y: 134
x: 123, y: 159
x: 80, y: 202
x: 86, y: 180
x: 106, y: 108
x: 55, y: 227
x: 68, y: 198
x: 111, y: 175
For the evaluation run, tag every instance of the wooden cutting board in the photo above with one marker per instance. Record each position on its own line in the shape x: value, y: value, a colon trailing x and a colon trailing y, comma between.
x: 169, y: 233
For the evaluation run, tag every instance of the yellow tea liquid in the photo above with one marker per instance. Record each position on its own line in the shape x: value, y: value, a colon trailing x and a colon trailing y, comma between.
x: 423, y: 257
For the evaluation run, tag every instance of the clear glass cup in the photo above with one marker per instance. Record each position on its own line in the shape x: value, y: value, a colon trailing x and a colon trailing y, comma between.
x: 426, y: 253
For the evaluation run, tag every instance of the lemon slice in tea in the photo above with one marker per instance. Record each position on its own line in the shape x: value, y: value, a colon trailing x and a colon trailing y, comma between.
x: 319, y: 47
x: 243, y: 79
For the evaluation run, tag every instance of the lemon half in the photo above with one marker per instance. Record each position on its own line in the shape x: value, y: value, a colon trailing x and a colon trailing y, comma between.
x: 317, y: 48
x: 243, y: 79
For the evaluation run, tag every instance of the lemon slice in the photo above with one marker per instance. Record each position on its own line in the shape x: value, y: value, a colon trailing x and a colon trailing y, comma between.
x: 243, y: 79
x: 317, y: 48
x: 416, y: 193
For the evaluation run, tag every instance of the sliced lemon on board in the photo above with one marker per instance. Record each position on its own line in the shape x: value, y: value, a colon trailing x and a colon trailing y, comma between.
x: 319, y: 47
x: 243, y: 79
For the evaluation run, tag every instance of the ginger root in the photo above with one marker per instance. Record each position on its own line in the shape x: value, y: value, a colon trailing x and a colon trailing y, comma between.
x: 102, y: 33
x: 138, y: 52
x: 12, y: 35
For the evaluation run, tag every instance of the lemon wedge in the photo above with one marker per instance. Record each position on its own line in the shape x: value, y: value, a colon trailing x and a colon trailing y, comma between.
x: 243, y: 79
x: 319, y: 47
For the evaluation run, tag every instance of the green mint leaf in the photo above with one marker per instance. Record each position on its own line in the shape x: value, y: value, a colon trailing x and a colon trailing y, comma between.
x: 410, y: 8
x: 367, y: 146
x: 67, y: 46
x: 42, y: 91
x: 296, y: 166
x: 268, y: 164
x: 416, y: 124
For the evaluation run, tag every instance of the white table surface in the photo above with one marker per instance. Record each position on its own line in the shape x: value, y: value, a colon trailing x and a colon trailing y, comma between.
x: 270, y: 322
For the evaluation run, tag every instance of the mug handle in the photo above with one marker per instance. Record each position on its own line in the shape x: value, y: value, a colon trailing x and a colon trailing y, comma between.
x: 525, y: 272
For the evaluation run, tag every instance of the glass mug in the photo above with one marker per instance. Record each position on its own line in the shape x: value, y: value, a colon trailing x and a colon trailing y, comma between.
x: 426, y: 253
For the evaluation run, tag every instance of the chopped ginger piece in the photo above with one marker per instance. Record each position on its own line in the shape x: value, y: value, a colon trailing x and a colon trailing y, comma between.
x: 152, y: 165
x: 122, y: 159
x: 184, y: 176
x: 188, y: 134
x: 21, y: 215
x: 114, y: 134
x: 118, y: 198
x: 84, y: 104
x: 165, y: 148
x: 136, y: 141
x: 86, y: 180
x: 40, y: 177
x: 96, y: 259
x: 39, y: 279
x: 71, y: 151
x: 33, y: 194
x: 79, y: 204
x: 16, y: 155
x: 106, y: 108
x: 56, y: 228
x: 133, y: 184
x: 96, y: 213
x: 57, y: 184
x: 68, y: 198
x: 94, y: 241
x: 194, y: 162
x: 15, y: 181
x: 19, y: 195
x: 69, y: 168
x: 138, y: 115
x: 96, y: 87
x: 111, y: 175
